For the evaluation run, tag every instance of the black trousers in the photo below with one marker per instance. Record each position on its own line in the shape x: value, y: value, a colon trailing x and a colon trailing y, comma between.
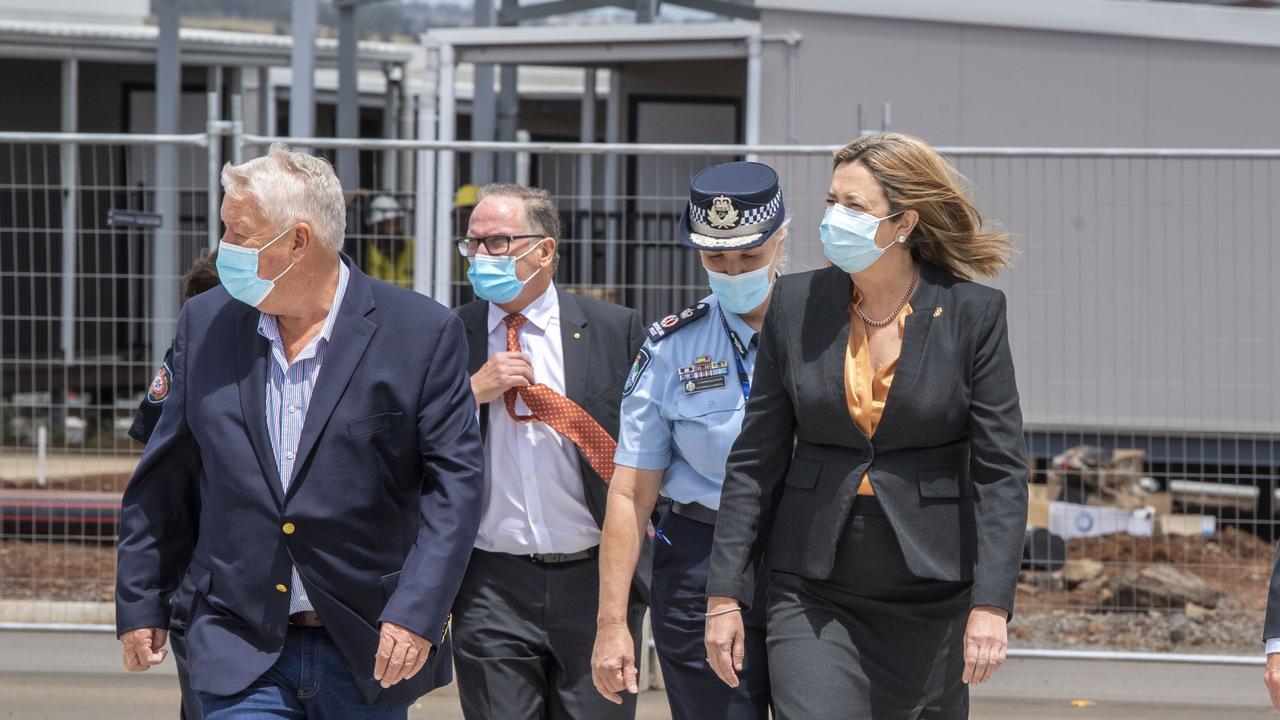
x: 523, y: 635
x: 872, y: 642
x: 679, y: 606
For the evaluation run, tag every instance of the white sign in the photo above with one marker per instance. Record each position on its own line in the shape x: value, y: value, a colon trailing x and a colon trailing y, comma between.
x: 1068, y: 520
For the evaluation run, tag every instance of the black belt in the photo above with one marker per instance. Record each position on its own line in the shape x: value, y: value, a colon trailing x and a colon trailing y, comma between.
x: 562, y: 558
x: 695, y: 511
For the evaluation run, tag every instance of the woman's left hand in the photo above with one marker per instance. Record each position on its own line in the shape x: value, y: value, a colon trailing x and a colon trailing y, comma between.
x: 986, y: 643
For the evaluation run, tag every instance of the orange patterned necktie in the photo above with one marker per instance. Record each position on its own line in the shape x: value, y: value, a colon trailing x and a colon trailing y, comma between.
x: 562, y: 414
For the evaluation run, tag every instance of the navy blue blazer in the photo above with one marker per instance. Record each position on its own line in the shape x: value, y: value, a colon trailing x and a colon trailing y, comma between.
x: 383, y: 507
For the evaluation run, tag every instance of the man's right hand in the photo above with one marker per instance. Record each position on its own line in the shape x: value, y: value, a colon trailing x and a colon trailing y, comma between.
x: 613, y: 662
x: 143, y: 648
x: 505, y: 370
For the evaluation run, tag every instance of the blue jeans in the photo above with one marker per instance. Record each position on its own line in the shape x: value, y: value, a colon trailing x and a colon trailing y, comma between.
x: 310, y: 681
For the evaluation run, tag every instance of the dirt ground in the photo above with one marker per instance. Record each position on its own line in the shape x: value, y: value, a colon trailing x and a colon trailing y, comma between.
x: 1048, y: 615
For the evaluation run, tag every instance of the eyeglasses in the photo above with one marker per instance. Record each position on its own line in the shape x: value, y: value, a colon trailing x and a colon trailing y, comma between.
x: 493, y: 244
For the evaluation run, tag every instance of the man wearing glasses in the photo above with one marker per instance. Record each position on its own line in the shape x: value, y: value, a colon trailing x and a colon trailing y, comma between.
x: 547, y: 369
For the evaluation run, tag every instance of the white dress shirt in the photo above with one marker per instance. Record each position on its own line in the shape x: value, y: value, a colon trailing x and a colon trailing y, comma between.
x: 534, y: 499
x: 1273, y: 645
x: 289, y: 390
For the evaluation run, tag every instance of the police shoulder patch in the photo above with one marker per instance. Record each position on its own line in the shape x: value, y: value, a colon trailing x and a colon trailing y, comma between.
x: 637, y: 370
x: 159, y: 389
x: 671, y: 323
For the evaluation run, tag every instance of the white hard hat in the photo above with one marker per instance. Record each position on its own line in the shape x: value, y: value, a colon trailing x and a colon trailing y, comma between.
x: 383, y: 208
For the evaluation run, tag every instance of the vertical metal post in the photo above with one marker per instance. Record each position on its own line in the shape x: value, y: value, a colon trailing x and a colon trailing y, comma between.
x: 484, y: 109
x: 753, y: 93
x: 524, y: 161
x: 793, y: 89
x: 70, y: 202
x: 302, y: 91
x: 266, y: 102
x: 348, y: 96
x: 237, y: 120
x: 646, y: 10
x: 613, y: 220
x: 793, y: 137
x: 424, y: 201
x: 444, y: 179
x: 586, y: 182
x: 214, y: 154
x: 392, y: 96
x: 508, y: 108
x: 408, y: 112
x: 164, y: 246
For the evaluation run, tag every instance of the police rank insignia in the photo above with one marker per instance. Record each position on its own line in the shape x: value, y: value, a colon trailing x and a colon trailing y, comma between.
x: 662, y: 328
x: 159, y: 388
x: 637, y: 370
x: 722, y: 215
x: 703, y: 374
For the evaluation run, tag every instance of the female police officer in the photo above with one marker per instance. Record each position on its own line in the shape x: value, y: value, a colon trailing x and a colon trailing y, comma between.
x: 682, y: 406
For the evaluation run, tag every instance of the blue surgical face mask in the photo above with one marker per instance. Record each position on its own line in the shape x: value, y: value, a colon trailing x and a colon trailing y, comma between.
x: 494, y: 279
x: 849, y: 238
x: 238, y: 271
x: 743, y: 292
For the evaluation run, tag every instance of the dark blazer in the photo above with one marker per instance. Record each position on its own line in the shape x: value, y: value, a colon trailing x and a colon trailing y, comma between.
x: 596, y: 363
x: 948, y: 461
x: 384, y: 503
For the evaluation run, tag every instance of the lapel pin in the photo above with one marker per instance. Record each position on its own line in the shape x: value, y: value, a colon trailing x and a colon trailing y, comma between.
x: 937, y: 312
x: 577, y: 336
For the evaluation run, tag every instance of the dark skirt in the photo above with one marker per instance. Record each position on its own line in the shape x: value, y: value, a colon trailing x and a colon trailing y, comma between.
x: 874, y: 640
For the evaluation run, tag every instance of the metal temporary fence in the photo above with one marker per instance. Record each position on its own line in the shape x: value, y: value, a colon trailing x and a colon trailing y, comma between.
x: 1139, y: 315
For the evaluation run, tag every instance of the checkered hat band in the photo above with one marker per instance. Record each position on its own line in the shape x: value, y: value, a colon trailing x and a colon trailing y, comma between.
x: 750, y: 216
x: 702, y: 228
x: 753, y: 220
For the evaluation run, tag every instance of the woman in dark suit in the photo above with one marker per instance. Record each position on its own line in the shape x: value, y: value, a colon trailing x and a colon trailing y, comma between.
x: 881, y: 471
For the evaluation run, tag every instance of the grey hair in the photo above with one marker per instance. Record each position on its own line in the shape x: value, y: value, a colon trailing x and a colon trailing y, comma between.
x: 292, y: 187
x: 540, y: 211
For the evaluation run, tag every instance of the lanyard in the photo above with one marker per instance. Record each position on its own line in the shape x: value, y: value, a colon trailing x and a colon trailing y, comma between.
x: 740, y: 351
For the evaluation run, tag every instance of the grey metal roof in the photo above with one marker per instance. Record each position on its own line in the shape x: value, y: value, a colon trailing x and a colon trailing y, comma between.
x: 137, y: 43
x: 1155, y: 20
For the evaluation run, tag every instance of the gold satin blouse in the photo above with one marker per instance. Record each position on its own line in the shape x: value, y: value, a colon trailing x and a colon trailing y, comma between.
x: 865, y: 390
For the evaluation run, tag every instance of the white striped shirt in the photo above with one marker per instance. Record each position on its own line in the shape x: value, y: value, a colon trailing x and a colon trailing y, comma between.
x: 289, y: 388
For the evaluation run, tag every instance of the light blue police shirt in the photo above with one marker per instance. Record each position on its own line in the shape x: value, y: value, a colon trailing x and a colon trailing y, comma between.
x: 683, y: 404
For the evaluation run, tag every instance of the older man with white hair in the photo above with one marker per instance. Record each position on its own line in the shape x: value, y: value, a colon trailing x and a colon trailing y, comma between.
x: 318, y: 468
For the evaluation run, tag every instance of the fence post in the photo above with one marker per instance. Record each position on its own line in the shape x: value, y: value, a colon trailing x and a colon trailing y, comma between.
x: 444, y: 180
x: 424, y: 199
x: 216, y: 129
x: 70, y: 201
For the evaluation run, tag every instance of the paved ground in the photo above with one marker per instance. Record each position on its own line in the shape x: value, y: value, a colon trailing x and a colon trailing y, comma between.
x: 47, y: 676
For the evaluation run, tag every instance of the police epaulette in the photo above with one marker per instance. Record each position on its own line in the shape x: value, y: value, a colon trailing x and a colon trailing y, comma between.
x: 666, y: 326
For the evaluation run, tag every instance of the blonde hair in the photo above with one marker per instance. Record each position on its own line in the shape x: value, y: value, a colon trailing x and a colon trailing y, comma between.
x: 949, y: 233
x: 292, y: 187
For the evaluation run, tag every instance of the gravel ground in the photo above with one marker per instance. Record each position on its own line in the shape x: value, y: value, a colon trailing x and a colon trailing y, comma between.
x: 1049, y: 614
x: 1231, y: 631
